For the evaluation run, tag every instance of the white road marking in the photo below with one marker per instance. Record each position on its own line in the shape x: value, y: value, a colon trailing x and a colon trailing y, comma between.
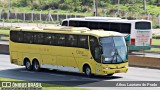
x: 58, y: 75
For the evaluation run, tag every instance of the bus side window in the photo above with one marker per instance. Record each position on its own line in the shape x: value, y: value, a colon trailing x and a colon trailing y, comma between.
x: 60, y: 39
x: 71, y: 40
x: 83, y: 41
x: 115, y: 27
x: 20, y: 37
x: 125, y: 28
x: 28, y: 37
x: 93, y: 25
x: 104, y: 25
x: 65, y: 23
x: 38, y: 38
x: 93, y: 45
x: 83, y: 24
x: 47, y: 39
x: 13, y: 36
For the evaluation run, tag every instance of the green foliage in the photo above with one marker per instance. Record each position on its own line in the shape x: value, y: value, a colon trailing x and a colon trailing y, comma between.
x: 85, y: 5
x: 156, y: 26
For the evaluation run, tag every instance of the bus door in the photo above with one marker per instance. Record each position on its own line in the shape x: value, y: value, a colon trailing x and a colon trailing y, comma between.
x: 93, y: 49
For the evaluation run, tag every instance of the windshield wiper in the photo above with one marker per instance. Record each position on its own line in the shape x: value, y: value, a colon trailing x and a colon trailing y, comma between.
x: 117, y: 54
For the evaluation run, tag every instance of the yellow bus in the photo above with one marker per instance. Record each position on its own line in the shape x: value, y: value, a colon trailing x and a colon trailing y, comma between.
x: 69, y: 49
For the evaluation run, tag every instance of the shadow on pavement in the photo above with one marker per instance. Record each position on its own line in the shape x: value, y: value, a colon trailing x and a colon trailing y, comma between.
x: 45, y: 77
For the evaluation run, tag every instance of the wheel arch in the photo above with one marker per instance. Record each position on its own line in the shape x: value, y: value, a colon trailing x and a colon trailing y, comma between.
x: 26, y: 59
x: 84, y: 65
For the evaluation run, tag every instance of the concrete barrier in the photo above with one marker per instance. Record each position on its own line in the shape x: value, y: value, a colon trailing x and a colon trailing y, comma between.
x: 149, y: 62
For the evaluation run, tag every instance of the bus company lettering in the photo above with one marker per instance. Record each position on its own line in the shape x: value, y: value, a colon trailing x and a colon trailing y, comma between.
x: 79, y: 52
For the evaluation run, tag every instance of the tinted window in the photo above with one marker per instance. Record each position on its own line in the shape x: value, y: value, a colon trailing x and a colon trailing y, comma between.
x: 60, y: 39
x: 13, y: 36
x: 93, y: 44
x: 65, y: 23
x: 125, y: 28
x: 83, y: 24
x: 20, y: 37
x: 83, y: 42
x: 28, y: 37
x: 38, y: 38
x: 73, y: 23
x: 143, y: 25
x: 93, y: 25
x: 104, y: 25
x: 115, y: 27
x: 48, y: 39
x: 71, y: 40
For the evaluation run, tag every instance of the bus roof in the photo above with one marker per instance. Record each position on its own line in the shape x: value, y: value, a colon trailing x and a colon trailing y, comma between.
x: 105, y: 19
x: 70, y: 30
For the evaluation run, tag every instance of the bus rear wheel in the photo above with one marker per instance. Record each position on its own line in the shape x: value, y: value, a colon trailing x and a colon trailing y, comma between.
x: 36, y: 66
x: 28, y: 65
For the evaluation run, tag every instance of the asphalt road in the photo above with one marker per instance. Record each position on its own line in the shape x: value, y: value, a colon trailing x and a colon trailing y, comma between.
x: 79, y: 80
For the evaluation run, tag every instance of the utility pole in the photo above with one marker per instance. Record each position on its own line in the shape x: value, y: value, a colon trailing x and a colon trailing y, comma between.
x: 9, y: 4
x: 144, y: 5
x: 118, y: 6
x: 95, y: 7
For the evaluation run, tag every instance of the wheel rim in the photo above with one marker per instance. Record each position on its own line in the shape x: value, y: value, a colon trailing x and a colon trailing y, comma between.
x: 28, y: 65
x: 88, y: 71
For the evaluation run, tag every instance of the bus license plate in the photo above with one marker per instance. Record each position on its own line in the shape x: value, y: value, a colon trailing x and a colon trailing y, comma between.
x: 117, y: 71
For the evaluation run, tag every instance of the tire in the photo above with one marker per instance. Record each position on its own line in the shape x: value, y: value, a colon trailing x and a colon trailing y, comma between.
x: 36, y: 66
x: 87, y: 71
x: 28, y: 65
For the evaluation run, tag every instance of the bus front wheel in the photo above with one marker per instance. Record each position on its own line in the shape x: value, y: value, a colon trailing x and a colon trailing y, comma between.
x: 36, y: 66
x: 87, y: 71
x: 28, y: 65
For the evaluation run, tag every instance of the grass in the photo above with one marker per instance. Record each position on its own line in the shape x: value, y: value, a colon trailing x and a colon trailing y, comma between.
x: 6, y: 32
x: 51, y: 86
x: 155, y: 41
x: 153, y: 50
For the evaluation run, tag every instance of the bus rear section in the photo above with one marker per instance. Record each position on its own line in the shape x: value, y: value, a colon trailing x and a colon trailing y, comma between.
x: 141, y: 36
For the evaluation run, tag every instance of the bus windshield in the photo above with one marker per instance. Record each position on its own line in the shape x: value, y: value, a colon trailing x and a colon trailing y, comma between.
x: 114, y: 50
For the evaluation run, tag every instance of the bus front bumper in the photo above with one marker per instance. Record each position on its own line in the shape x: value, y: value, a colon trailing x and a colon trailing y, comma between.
x: 113, y: 71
